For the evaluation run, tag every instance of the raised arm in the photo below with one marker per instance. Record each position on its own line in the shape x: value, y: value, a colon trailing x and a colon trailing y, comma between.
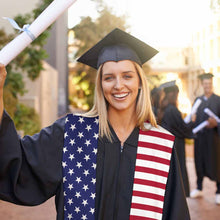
x: 3, y: 74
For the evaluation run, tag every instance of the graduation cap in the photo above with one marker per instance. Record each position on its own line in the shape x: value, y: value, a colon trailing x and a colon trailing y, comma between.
x: 205, y: 76
x: 115, y: 46
x: 169, y: 86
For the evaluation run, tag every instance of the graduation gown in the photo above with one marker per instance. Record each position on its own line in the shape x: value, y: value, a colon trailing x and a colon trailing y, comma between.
x: 31, y: 172
x: 173, y: 122
x: 207, y: 141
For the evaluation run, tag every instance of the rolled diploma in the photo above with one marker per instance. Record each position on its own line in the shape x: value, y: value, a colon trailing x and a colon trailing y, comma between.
x: 41, y: 23
x: 212, y: 114
x: 200, y: 127
x: 193, y: 111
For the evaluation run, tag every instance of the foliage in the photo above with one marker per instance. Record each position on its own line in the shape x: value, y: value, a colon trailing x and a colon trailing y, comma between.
x: 26, y: 119
x: 87, y: 33
x: 29, y: 62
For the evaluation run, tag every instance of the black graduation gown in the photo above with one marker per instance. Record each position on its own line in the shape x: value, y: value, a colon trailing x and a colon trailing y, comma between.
x: 207, y: 141
x: 31, y: 172
x: 173, y: 122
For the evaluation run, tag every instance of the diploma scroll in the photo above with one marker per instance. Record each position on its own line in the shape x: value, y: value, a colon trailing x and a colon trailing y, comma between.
x: 41, y: 23
x: 212, y: 114
x: 196, y: 105
x: 200, y: 127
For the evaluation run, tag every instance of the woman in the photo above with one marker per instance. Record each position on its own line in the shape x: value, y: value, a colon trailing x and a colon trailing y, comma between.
x: 106, y: 164
x: 170, y: 118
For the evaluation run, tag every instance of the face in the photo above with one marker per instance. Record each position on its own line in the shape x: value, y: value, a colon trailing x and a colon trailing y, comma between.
x: 120, y: 84
x: 207, y: 86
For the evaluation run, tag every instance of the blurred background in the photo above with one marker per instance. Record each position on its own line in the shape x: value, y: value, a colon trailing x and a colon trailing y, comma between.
x: 44, y: 82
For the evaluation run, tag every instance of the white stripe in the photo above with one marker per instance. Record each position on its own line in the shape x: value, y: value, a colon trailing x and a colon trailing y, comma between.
x: 147, y: 201
x: 158, y: 140
x: 153, y: 152
x: 151, y: 164
x: 144, y: 213
x: 151, y: 177
x: 148, y: 189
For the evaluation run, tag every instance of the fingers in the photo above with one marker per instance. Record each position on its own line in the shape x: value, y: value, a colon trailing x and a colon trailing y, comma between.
x: 3, y: 74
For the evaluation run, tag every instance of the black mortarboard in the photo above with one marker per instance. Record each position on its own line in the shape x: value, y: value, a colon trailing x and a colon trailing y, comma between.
x: 169, y: 86
x: 205, y: 76
x: 115, y: 46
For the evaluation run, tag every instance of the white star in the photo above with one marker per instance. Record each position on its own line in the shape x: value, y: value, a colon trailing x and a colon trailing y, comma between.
x: 71, y: 157
x: 87, y: 157
x: 85, y: 202
x: 79, y: 164
x: 96, y: 121
x: 78, y: 195
x: 79, y: 150
x: 71, y: 172
x: 69, y: 216
x: 65, y: 150
x: 93, y: 180
x: 64, y: 164
x: 70, y: 187
x: 96, y: 136
x: 85, y: 187
x: 88, y: 127
x: 64, y: 193
x: 65, y: 135
x: 72, y: 127
x: 87, y: 143
x: 66, y: 120
x: 92, y: 210
x: 86, y: 172
x: 81, y: 120
x: 64, y: 179
x: 84, y: 217
x: 72, y: 142
x: 70, y: 201
x: 94, y: 166
x: 80, y: 135
x: 64, y: 208
x: 92, y: 195
x: 78, y: 179
x: 94, y: 150
x: 77, y: 209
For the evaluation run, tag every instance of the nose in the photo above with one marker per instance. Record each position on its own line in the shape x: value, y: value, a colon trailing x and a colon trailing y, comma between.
x: 118, y: 83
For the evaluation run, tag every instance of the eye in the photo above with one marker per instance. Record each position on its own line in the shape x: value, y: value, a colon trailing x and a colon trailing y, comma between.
x: 107, y: 78
x: 127, y: 76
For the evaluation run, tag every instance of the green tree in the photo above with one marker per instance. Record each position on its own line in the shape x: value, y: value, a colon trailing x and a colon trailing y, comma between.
x: 29, y: 62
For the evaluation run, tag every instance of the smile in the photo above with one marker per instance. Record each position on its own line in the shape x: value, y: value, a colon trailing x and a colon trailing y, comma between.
x: 120, y: 96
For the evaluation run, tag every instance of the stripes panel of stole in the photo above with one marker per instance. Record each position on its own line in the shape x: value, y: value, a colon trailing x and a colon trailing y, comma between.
x: 151, y: 173
x: 79, y: 167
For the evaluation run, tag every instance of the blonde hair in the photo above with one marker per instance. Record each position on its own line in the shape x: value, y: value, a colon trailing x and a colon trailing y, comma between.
x: 143, y: 107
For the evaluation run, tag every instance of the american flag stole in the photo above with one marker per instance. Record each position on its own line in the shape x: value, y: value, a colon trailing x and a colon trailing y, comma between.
x: 79, y: 167
x: 151, y: 173
x: 79, y: 170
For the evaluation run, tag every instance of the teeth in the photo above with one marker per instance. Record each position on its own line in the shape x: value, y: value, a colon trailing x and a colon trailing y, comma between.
x: 120, y: 95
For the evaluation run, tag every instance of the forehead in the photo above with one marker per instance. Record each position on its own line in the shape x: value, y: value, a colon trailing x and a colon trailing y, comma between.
x: 120, y: 66
x: 208, y: 80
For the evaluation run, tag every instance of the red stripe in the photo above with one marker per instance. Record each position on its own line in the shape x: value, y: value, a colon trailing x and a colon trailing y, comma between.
x: 147, y: 207
x: 153, y: 158
x: 158, y: 134
x: 155, y: 146
x: 134, y: 217
x: 152, y: 171
x: 148, y: 195
x: 150, y: 183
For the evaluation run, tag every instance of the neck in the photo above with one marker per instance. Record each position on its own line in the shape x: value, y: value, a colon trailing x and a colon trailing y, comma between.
x: 207, y: 95
x: 123, y: 123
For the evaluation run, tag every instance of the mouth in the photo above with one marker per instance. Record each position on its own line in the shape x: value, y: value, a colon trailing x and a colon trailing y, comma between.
x: 121, y: 95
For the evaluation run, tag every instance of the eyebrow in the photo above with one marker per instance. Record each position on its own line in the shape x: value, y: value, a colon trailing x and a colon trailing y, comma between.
x: 128, y: 71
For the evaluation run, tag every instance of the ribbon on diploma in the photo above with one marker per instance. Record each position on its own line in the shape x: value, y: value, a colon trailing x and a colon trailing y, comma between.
x: 23, y: 29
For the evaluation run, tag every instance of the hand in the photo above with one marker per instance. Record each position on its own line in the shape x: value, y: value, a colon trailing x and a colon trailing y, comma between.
x: 212, y: 123
x: 3, y: 75
x: 193, y: 118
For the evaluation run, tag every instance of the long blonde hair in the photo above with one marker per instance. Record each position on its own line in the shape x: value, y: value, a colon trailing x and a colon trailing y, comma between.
x: 143, y: 107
